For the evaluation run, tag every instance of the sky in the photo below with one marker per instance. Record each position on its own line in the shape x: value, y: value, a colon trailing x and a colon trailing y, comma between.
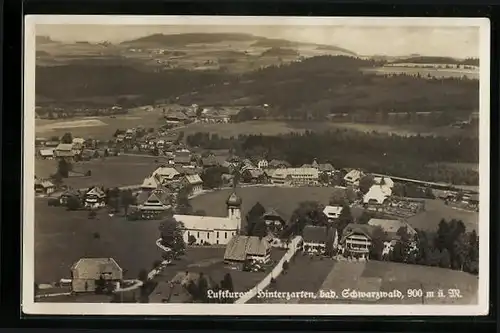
x: 445, y: 41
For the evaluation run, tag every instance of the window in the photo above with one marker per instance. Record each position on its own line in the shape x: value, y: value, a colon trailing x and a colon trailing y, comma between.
x: 198, y: 234
x: 217, y: 235
x: 225, y: 235
x: 189, y: 234
x: 208, y: 235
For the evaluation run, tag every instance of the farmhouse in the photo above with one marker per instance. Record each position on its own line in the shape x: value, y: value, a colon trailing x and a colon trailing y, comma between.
x: 78, y: 143
x: 332, y: 213
x: 64, y: 151
x: 194, y: 182
x: 242, y: 248
x: 95, y: 198
x: 295, y: 176
x: 155, y: 203
x: 263, y: 164
x: 70, y: 193
x: 176, y: 117
x: 316, y: 238
x: 44, y: 187
x: 182, y: 159
x: 275, y: 220
x: 210, y: 229
x: 87, y: 273
x: 253, y: 176
x: 277, y: 164
x: 150, y: 183
x: 46, y: 154
x: 377, y: 194
x: 209, y: 161
x: 352, y: 177
x: 166, y: 174
x: 356, y: 241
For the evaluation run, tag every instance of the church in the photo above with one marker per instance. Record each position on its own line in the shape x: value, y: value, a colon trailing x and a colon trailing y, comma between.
x: 199, y: 230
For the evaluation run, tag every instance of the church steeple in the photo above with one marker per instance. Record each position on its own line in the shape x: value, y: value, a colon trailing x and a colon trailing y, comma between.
x: 233, y: 203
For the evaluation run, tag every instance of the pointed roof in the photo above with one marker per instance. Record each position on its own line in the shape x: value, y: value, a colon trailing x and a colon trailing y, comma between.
x: 234, y: 200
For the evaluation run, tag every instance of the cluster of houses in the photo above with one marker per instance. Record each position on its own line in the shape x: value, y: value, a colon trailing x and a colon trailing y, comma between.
x: 78, y: 149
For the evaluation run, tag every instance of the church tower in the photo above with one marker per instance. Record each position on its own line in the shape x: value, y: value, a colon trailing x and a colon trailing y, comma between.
x: 234, y: 208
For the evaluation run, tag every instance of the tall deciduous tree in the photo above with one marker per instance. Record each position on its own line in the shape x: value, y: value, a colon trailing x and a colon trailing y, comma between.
x: 67, y: 138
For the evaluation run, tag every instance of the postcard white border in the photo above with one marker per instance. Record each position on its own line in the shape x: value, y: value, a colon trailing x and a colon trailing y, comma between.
x: 30, y: 307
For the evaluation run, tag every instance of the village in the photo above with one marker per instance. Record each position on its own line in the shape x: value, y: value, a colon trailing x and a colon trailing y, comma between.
x: 247, y: 250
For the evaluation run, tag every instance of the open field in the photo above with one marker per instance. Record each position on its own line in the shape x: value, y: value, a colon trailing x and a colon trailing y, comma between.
x: 272, y: 127
x: 100, y: 128
x: 113, y: 171
x: 286, y: 200
x: 62, y: 237
x: 435, y: 210
x: 374, y: 276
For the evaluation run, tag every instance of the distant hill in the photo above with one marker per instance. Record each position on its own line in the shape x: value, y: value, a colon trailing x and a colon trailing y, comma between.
x: 280, y: 52
x: 186, y: 39
x: 158, y: 40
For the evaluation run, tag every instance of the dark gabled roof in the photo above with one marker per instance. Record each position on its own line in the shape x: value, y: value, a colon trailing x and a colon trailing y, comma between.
x: 314, y: 234
x: 354, y: 228
x: 240, y: 246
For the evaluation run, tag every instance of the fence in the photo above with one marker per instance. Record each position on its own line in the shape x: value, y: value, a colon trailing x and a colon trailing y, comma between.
x: 274, y: 273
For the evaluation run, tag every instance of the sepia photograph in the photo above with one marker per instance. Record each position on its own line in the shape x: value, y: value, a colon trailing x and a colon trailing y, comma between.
x: 225, y: 165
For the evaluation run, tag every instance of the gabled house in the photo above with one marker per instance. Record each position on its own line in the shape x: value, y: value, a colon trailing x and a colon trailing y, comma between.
x: 316, y: 239
x: 247, y: 248
x: 51, y: 144
x: 150, y: 183
x: 326, y: 168
x: 353, y: 177
x: 194, y: 182
x: 182, y: 159
x: 279, y: 164
x: 254, y: 176
x: 88, y: 273
x: 263, y: 164
x: 95, y: 198
x: 377, y: 195
x: 70, y: 193
x: 166, y: 174
x: 157, y: 203
x: 45, y: 187
x: 356, y: 241
x: 332, y: 213
x: 209, y: 161
x: 274, y: 217
x: 65, y: 151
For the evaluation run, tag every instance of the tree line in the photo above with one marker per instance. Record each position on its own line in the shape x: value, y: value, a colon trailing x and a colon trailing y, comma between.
x: 413, y: 157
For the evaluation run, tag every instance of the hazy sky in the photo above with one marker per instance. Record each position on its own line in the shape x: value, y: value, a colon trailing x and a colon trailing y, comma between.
x: 460, y: 42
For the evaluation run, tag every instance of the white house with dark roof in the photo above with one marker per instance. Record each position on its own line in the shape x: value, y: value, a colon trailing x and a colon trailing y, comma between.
x: 194, y: 182
x: 263, y: 164
x: 242, y: 248
x: 95, y: 198
x: 211, y: 229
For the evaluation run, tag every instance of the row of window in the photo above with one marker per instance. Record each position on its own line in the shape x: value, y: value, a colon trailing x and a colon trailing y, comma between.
x: 208, y: 234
